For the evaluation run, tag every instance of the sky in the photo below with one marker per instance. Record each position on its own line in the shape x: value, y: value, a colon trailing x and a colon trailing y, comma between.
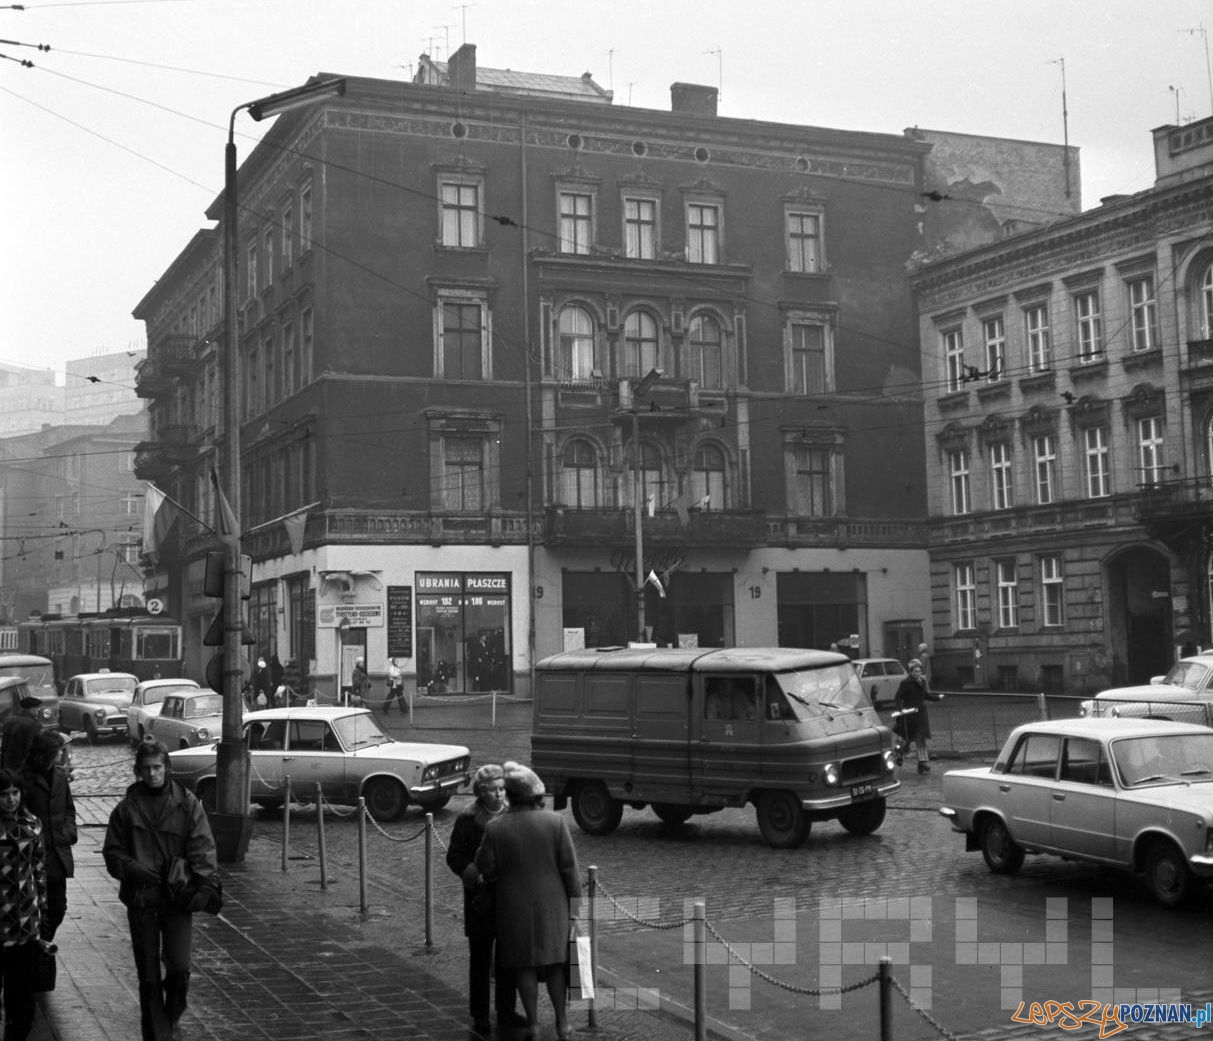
x: 111, y: 146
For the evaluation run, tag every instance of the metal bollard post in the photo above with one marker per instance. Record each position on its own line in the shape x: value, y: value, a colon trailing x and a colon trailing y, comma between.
x: 429, y: 880
x: 493, y: 714
x: 1043, y: 704
x: 324, y: 861
x: 362, y: 903
x: 592, y: 893
x: 286, y: 818
x: 886, y: 999
x: 701, y: 972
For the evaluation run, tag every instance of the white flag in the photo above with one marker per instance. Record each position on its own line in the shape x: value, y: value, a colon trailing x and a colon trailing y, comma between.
x: 655, y: 582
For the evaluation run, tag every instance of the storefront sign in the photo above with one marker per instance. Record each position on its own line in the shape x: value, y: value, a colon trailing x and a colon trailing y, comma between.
x: 356, y: 616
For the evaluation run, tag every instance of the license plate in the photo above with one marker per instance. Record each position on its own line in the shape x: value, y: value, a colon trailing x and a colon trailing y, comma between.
x: 862, y: 791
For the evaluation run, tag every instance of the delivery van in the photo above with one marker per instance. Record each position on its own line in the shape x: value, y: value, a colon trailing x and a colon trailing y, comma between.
x: 688, y: 732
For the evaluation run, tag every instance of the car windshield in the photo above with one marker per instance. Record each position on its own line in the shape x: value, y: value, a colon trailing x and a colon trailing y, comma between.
x: 155, y: 695
x: 359, y: 731
x: 815, y: 692
x: 38, y: 675
x: 1190, y: 674
x: 111, y: 685
x: 206, y: 705
x: 1164, y: 759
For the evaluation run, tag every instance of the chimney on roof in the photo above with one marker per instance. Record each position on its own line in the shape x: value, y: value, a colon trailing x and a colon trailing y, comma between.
x: 693, y: 98
x: 461, y: 68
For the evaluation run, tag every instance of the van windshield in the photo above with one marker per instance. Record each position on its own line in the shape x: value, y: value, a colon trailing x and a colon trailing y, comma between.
x: 813, y: 692
x: 36, y: 675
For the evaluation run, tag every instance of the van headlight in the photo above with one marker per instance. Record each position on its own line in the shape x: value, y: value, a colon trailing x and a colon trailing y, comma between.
x: 831, y: 774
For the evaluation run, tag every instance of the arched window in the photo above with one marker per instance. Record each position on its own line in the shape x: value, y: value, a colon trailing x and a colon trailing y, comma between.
x: 579, y: 475
x: 640, y: 344
x: 704, y: 341
x: 707, y: 478
x: 576, y: 360
x: 1206, y: 304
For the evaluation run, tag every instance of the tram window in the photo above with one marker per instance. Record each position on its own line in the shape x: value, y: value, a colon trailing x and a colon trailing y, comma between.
x: 157, y: 644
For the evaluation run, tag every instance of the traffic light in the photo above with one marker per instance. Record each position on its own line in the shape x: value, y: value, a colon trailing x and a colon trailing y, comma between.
x: 214, y: 582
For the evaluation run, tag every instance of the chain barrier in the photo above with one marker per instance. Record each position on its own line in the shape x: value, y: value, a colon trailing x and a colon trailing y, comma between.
x: 438, y: 835
x: 270, y: 787
x: 395, y: 838
x: 943, y: 1031
x: 602, y: 891
x: 342, y: 814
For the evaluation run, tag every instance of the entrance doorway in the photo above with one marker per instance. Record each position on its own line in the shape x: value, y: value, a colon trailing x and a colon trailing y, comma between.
x: 1139, y: 614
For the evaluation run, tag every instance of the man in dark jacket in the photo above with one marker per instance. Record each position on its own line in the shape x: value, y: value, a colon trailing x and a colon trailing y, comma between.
x: 155, y: 822
x: 18, y: 734
x: 48, y: 795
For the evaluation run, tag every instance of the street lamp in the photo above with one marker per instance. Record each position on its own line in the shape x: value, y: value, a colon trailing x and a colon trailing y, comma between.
x: 231, y: 822
x: 639, y: 391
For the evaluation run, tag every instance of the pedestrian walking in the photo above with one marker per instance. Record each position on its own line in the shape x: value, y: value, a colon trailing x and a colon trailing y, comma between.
x: 913, y: 694
x: 18, y: 733
x: 360, y: 683
x: 924, y: 657
x: 528, y: 854
x: 22, y: 904
x: 263, y: 690
x: 156, y: 822
x: 48, y: 796
x: 395, y: 688
x: 479, y: 912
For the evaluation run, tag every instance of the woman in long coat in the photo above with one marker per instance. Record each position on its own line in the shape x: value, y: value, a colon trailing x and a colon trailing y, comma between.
x: 529, y: 852
x: 913, y: 693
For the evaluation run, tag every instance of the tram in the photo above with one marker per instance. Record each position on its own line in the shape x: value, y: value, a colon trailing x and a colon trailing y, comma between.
x: 123, y: 640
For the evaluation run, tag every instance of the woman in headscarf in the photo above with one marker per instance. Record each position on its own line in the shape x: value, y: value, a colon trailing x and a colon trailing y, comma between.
x: 913, y: 694
x: 529, y: 854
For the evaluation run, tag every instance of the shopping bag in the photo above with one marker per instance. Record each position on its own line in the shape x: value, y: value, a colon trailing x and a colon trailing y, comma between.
x: 43, y: 976
x: 583, y: 971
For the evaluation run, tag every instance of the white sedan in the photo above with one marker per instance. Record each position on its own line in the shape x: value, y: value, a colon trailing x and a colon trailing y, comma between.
x: 145, y: 705
x: 341, y: 749
x: 880, y: 678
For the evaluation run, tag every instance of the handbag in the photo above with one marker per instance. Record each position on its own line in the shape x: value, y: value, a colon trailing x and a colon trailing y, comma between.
x: 43, y: 976
x: 190, y: 891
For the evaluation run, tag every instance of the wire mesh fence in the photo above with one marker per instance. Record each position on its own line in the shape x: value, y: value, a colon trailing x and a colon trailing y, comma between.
x: 978, y: 723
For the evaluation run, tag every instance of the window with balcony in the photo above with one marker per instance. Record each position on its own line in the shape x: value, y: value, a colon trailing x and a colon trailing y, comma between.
x: 1089, y: 325
x: 577, y: 345
x: 640, y: 228
x: 1008, y: 594
x: 641, y: 345
x: 958, y: 476
x: 812, y: 481
x: 1052, y: 590
x: 463, y: 473
x: 462, y: 350
x: 460, y: 219
x: 953, y: 359
x: 708, y: 477
x: 1040, y: 347
x: 809, y: 355
x: 1044, y: 455
x: 580, y: 475
x: 1143, y: 312
x: 703, y: 232
x: 964, y: 586
x: 1149, y: 451
x: 1097, y: 471
x: 803, y: 235
x: 705, y: 351
x: 995, y: 337
x: 576, y: 221
x: 1002, y: 492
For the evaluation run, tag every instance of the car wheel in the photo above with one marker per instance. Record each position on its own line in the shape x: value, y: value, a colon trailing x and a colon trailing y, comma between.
x: 863, y: 818
x: 782, y: 820
x: 207, y: 793
x: 1167, y: 875
x: 595, y: 812
x: 434, y: 805
x: 1003, y: 855
x: 670, y: 814
x: 386, y: 799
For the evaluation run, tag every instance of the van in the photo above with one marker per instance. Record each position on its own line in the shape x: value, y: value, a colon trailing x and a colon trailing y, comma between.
x: 38, y: 675
x: 689, y: 732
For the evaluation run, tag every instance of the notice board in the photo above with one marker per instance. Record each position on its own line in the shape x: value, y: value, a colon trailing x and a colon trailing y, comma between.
x: 399, y: 621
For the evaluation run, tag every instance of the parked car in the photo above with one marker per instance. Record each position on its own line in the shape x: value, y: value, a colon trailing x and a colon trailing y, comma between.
x: 38, y: 675
x: 1128, y: 793
x: 188, y: 718
x: 148, y: 699
x: 1185, y: 694
x: 341, y: 749
x: 880, y: 678
x: 96, y: 702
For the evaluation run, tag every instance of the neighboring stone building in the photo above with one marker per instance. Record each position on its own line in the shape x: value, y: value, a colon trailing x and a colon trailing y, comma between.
x: 1069, y: 433
x: 100, y: 387
x: 29, y: 400
x: 450, y: 293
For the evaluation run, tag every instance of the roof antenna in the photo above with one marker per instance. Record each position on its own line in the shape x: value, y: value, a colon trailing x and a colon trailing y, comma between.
x: 719, y: 71
x: 1208, y: 68
x: 1065, y: 123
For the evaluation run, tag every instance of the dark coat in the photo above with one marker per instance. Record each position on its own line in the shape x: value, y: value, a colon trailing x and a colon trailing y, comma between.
x: 529, y: 852
x: 16, y: 737
x: 49, y: 797
x: 466, y: 837
x: 912, y: 694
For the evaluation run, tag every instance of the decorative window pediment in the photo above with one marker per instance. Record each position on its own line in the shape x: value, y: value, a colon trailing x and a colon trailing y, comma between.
x: 953, y: 437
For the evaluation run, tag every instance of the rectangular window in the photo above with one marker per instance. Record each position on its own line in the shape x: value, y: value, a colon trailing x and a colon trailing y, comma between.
x: 1144, y: 313
x: 288, y: 236
x: 1052, y: 600
x: 813, y: 488
x: 576, y: 222
x: 1008, y: 595
x: 953, y: 359
x: 267, y: 244
x: 996, y: 348
x: 305, y: 218
x: 269, y: 385
x: 251, y: 285
x: 808, y: 359
x: 965, y: 583
x: 1096, y: 466
x: 460, y: 214
x: 703, y: 233
x: 463, y: 473
x: 462, y: 352
x: 1002, y: 494
x: 804, y: 241
x: 1090, y: 327
x: 1149, y: 451
x: 306, y: 347
x: 1044, y: 453
x: 1040, y: 349
x: 640, y: 229
x: 290, y: 360
x: 958, y: 473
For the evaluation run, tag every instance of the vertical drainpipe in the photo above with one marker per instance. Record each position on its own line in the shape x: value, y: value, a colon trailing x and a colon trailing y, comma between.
x: 524, y: 240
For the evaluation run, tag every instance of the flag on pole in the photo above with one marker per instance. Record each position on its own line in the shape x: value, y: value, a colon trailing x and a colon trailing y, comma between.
x: 296, y: 525
x: 650, y: 503
x: 705, y: 502
x: 655, y: 582
x: 679, y: 504
x: 159, y: 514
x: 226, y: 524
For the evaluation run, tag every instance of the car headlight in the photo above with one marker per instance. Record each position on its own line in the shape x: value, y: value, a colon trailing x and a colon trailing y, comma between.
x: 204, y: 734
x: 831, y: 774
x: 1086, y: 708
x: 890, y: 761
x: 100, y: 714
x: 46, y: 713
